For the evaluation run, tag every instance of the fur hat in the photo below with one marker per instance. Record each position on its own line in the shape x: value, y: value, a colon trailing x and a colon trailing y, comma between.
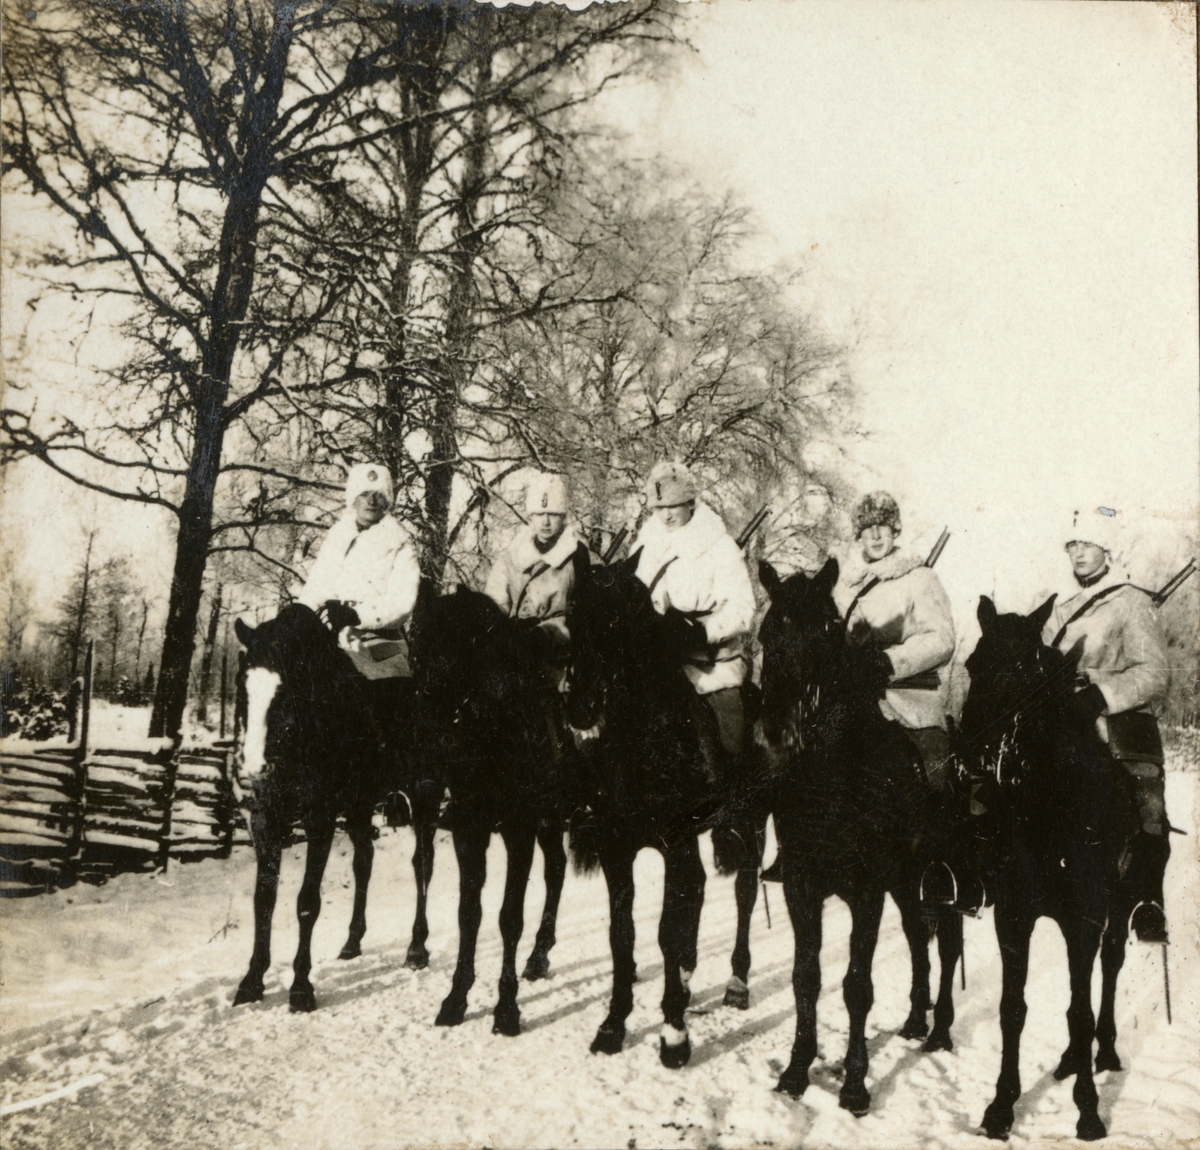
x: 669, y: 485
x: 364, y: 477
x: 546, y: 493
x: 876, y: 509
x: 1097, y: 525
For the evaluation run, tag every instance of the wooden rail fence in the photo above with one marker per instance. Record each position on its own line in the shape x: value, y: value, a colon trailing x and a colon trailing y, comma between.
x: 86, y: 812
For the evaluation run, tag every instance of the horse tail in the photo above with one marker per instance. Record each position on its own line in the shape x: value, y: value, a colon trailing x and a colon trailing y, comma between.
x: 584, y: 841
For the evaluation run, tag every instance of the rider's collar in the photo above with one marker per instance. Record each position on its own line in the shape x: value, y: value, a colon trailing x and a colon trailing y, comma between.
x: 1092, y: 580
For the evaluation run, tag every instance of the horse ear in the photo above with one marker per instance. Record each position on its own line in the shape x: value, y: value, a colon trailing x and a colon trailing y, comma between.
x: 631, y: 563
x: 1039, y: 617
x: 244, y: 633
x: 1075, y: 653
x: 827, y: 577
x: 769, y: 578
x: 986, y: 613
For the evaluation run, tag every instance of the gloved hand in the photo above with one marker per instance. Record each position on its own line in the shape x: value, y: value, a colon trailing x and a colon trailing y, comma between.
x: 536, y: 641
x: 877, y: 666
x: 1089, y: 704
x: 681, y: 636
x: 339, y: 614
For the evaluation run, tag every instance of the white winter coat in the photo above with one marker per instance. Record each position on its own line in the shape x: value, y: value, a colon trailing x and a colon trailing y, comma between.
x: 527, y: 584
x: 1123, y: 650
x: 909, y: 614
x: 704, y: 575
x: 375, y: 571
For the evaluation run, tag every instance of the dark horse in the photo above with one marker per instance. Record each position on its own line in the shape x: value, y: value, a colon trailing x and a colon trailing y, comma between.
x: 849, y: 809
x: 313, y: 750
x: 482, y: 711
x: 1057, y: 804
x: 645, y: 786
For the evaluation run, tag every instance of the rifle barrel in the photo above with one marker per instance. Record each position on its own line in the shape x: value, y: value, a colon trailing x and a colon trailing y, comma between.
x: 938, y: 547
x: 1172, y: 585
x: 751, y: 527
x: 615, y: 545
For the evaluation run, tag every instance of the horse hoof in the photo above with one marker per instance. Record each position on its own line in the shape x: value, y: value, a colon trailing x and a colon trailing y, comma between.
x: 915, y: 1027
x: 302, y: 1001
x: 676, y: 1055
x: 451, y: 1013
x: 507, y: 1022
x: 938, y: 1041
x: 609, y: 1039
x: 1068, y: 1065
x: 793, y: 1082
x: 1108, y: 1060
x: 856, y: 1100
x: 537, y: 967
x: 1090, y: 1127
x: 997, y: 1122
x: 417, y: 959
x: 248, y: 993
x: 350, y: 950
x: 737, y: 994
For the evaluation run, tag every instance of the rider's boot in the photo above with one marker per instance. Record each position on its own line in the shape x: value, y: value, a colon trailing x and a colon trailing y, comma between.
x: 1150, y: 853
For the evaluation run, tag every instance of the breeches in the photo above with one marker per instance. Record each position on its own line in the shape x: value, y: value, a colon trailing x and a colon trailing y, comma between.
x: 1149, y: 785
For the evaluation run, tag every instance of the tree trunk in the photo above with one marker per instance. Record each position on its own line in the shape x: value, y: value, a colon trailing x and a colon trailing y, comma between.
x: 81, y: 612
x: 460, y: 322
x: 210, y: 642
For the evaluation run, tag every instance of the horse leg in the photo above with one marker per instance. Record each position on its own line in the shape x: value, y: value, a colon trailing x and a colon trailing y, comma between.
x: 859, y: 994
x: 424, y: 828
x: 618, y: 874
x: 950, y: 946
x: 268, y: 849
x: 470, y: 847
x: 358, y: 827
x: 550, y: 839
x: 678, y: 930
x: 1013, y: 928
x: 916, y: 931
x: 745, y: 891
x: 804, y: 909
x: 1112, y: 958
x: 1083, y: 938
x: 308, y: 906
x: 518, y: 844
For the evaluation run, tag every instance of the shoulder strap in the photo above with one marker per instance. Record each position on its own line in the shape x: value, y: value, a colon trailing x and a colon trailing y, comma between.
x: 538, y: 568
x: 1086, y: 608
x: 661, y: 572
x: 869, y: 586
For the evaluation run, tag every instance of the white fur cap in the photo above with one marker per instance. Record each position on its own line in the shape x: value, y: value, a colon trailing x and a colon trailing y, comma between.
x: 1101, y: 526
x: 546, y: 493
x: 669, y: 485
x: 364, y: 477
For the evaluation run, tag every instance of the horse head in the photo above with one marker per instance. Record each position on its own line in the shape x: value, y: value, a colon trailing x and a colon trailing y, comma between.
x: 1018, y: 685
x: 289, y: 667
x: 801, y: 637
x: 613, y: 626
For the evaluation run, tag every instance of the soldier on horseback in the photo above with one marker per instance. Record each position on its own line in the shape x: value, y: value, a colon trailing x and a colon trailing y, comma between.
x: 531, y: 580
x: 364, y: 583
x: 894, y: 605
x: 691, y: 563
x: 1122, y: 671
x: 895, y: 608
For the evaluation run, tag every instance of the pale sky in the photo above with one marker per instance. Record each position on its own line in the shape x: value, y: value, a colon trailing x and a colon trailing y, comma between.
x: 994, y: 207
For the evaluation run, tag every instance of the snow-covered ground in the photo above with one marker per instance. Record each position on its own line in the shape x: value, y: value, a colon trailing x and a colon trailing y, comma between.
x: 133, y: 981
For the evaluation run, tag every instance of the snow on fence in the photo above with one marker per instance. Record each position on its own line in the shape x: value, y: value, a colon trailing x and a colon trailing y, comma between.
x: 81, y: 811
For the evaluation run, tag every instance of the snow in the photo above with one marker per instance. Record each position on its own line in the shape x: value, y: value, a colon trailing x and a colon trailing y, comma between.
x: 133, y: 980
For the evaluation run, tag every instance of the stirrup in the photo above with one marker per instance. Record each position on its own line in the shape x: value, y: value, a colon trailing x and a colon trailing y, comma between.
x: 1149, y: 923
x: 938, y: 885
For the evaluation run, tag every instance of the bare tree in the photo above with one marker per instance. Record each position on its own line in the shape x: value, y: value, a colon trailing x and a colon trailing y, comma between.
x: 182, y: 143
